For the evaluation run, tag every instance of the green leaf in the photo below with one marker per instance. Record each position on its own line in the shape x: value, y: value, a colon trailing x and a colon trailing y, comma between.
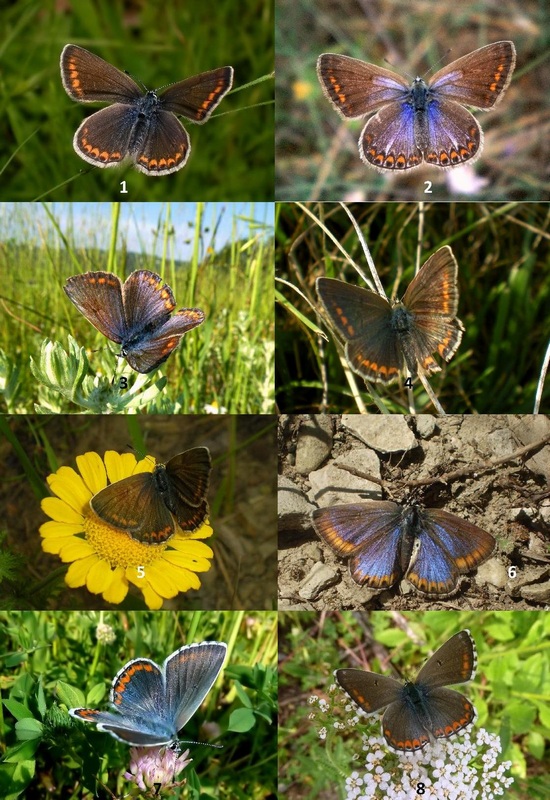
x: 241, y: 720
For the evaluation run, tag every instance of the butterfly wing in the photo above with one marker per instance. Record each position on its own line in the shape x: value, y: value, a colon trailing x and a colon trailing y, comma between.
x: 140, y: 714
x: 449, y: 713
x: 453, y: 662
x: 190, y: 674
x: 98, y: 296
x: 478, y: 79
x: 421, y: 715
x: 128, y: 728
x: 432, y: 299
x: 356, y: 88
x: 368, y: 533
x: 445, y: 711
x: 363, y: 320
x: 188, y: 476
x: 148, y: 301
x: 152, y: 333
x: 165, y: 149
x: 135, y: 506
x: 449, y: 135
x: 369, y: 690
x: 148, y: 351
x: 404, y: 724
x: 88, y: 78
x: 449, y: 547
x: 196, y: 98
x: 103, y: 138
x: 388, y: 139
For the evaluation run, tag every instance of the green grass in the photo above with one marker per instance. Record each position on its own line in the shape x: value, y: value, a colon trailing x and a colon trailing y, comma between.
x: 503, y: 277
x: 55, y: 661
x: 232, y: 154
x: 226, y: 362
x: 317, y: 157
x: 509, y: 690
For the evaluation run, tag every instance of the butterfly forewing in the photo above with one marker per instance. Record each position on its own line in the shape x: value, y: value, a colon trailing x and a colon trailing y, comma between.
x: 356, y: 88
x: 454, y: 662
x: 148, y: 301
x: 135, y: 506
x: 190, y: 674
x: 368, y: 689
x: 434, y: 289
x: 87, y: 78
x: 432, y: 298
x: 190, y: 474
x: 196, y: 98
x: 480, y: 78
x: 98, y: 296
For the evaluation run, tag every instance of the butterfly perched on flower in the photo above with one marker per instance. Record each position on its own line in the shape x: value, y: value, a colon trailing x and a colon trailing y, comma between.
x: 420, y: 711
x: 150, y: 703
x: 149, y: 504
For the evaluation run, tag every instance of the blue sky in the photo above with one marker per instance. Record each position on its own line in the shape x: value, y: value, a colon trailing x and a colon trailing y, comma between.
x: 90, y: 224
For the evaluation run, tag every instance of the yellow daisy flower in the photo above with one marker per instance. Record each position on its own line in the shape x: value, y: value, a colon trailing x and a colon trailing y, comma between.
x: 105, y: 559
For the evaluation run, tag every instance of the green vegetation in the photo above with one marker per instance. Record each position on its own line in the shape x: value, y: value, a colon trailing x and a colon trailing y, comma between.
x: 504, y: 297
x: 60, y: 660
x: 53, y: 360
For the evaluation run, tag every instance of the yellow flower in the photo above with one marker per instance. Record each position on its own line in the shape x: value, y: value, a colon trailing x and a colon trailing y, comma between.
x: 301, y: 90
x: 105, y: 559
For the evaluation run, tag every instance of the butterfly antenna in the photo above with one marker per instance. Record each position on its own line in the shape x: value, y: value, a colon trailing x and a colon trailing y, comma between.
x: 137, y: 80
x: 443, y: 57
x: 408, y: 74
x: 204, y: 744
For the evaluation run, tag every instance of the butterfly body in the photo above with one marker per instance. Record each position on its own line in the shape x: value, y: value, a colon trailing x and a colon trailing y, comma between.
x: 151, y: 703
x: 422, y: 122
x: 148, y: 505
x: 420, y: 711
x: 382, y: 339
x: 386, y: 542
x: 140, y: 125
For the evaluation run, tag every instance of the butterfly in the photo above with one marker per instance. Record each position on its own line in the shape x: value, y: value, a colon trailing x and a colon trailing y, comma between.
x: 148, y: 505
x: 382, y: 339
x: 419, y: 711
x: 136, y: 314
x: 387, y: 542
x: 151, y: 702
x: 140, y: 125
x: 422, y: 122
